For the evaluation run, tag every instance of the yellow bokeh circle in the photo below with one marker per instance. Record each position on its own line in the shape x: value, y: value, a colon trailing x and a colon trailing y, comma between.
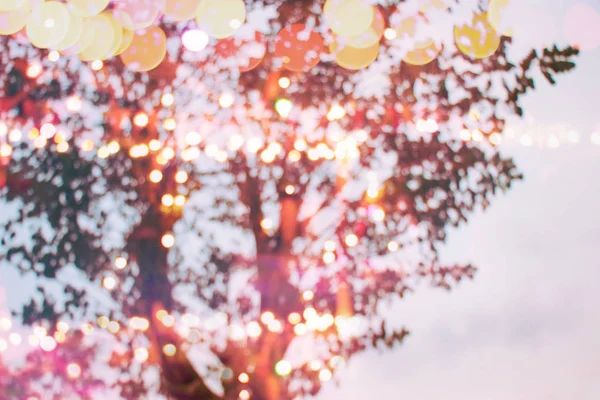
x: 497, y: 17
x: 348, y: 18
x: 48, y: 24
x: 11, y: 5
x: 422, y: 54
x: 14, y: 20
x: 104, y: 36
x: 125, y: 41
x: 220, y: 18
x: 139, y: 14
x: 353, y: 58
x: 181, y: 10
x: 88, y: 8
x: 477, y: 40
x: 73, y: 34
x: 372, y: 35
x: 146, y: 51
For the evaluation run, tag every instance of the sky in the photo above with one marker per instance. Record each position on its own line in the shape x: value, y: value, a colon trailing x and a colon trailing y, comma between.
x: 526, y: 326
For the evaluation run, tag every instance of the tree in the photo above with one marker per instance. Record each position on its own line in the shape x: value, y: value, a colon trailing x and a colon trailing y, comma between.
x: 313, y: 195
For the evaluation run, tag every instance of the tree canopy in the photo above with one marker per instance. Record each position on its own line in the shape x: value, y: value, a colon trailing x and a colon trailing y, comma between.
x: 227, y: 221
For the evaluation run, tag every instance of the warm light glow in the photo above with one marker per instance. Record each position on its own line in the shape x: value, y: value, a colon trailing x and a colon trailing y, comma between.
x: 283, y: 368
x: 290, y: 189
x: 97, y: 65
x: 73, y: 104
x: 14, y: 135
x: 139, y: 324
x: 393, y: 246
x: 167, y: 200
x: 267, y: 156
x: 141, y: 354
x: 244, y: 378
x: 495, y: 139
x: 390, y: 34
x: 103, y: 152
x: 155, y: 176
x: 169, y: 124
x: 168, y: 240
x: 62, y: 327
x: 235, y: 142
x: 284, y: 82
x: 477, y: 135
x: 103, y: 322
x: 5, y: 150
x: 300, y: 144
x: 109, y: 283
x: 113, y: 147
x: 87, y: 329
x: 294, y: 318
x: 60, y: 337
x: 325, y: 375
x: 34, y: 70
x: 169, y: 350
x: 193, y: 139
x: 310, y: 313
x: 154, y: 145
x: 351, y: 240
x: 284, y: 107
x: 120, y: 262
x: 254, y: 330
x: 244, y: 395
x: 267, y: 317
x: 87, y: 145
x: 181, y: 177
x: 336, y: 112
x: 226, y: 100
x: 180, y: 200
x: 40, y: 142
x: 300, y: 330
x: 62, y: 147
x: 114, y: 327
x: 378, y: 215
x: 308, y: 295
x: 168, y: 321
x: 167, y: 99
x: 40, y: 331
x: 47, y: 343
x: 266, y: 224
x: 275, y: 326
x: 53, y: 56
x: 194, y: 40
x: 328, y: 257
x: 3, y: 345
x: 294, y: 156
x: 73, y: 370
x: 140, y: 119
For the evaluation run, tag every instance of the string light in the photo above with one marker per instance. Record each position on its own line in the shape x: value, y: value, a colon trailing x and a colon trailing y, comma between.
x: 169, y: 350
x: 141, y: 354
x: 169, y: 124
x: 73, y: 103
x: 181, y: 177
x: 390, y: 34
x: 308, y: 295
x: 226, y: 100
x: 351, y: 240
x: 194, y: 40
x: 244, y: 378
x: 300, y: 329
x: 97, y: 65
x: 48, y: 344
x: 53, y: 56
x: 155, y: 176
x: 294, y: 318
x: 254, y: 330
x: 325, y: 375
x: 34, y: 70
x: 168, y: 240
x: 114, y: 327
x: 180, y: 200
x: 167, y: 200
x: 140, y: 119
x: 393, y: 246
x: 109, y: 283
x: 284, y: 82
x: 73, y: 370
x: 167, y: 99
x: 244, y: 395
x: 154, y: 145
x: 283, y: 368
x: 120, y: 262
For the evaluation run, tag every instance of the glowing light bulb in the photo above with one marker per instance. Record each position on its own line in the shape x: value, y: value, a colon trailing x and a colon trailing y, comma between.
x: 180, y: 200
x: 300, y: 144
x: 155, y: 176
x: 168, y: 321
x: 328, y: 257
x: 97, y: 65
x: 53, y: 56
x: 167, y: 200
x: 113, y: 327
x: 351, y: 240
x: 226, y: 100
x: 141, y: 119
x: 141, y: 354
x: 169, y: 124
x: 254, y: 330
x: 120, y: 262
x: 329, y: 245
x: 5, y: 150
x: 294, y: 318
x: 109, y: 283
x: 390, y: 34
x: 167, y: 99
x: 284, y: 107
x: 169, y: 350
x: 154, y: 145
x: 495, y: 139
x: 275, y: 326
x: 194, y: 40
x: 284, y: 82
x: 336, y: 112
x: 48, y: 130
x: 62, y: 327
x: 325, y: 375
x: 283, y: 368
x: 193, y: 139
x: 168, y: 240
x: 308, y: 295
x: 294, y: 156
x: 181, y: 177
x: 244, y: 395
x: 393, y: 246
x: 290, y: 189
x: 244, y: 378
x: 477, y: 135
x: 48, y: 344
x: 266, y: 224
x: 73, y: 103
x: 73, y: 370
x: 34, y: 70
